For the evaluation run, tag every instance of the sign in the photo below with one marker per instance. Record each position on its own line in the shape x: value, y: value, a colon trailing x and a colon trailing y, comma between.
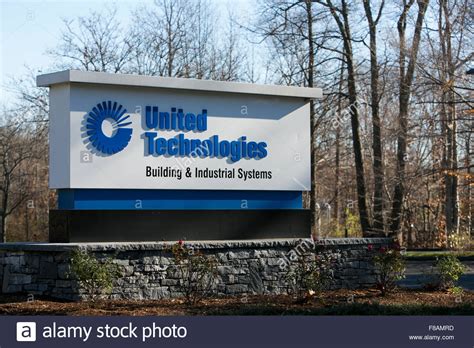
x: 110, y: 131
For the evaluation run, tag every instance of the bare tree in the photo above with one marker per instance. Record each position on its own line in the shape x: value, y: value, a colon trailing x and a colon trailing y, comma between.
x: 20, y: 145
x: 407, y: 64
x: 403, y: 110
x: 378, y: 219
x: 95, y: 42
x: 285, y: 25
x: 447, y: 50
x: 180, y: 39
x: 341, y: 17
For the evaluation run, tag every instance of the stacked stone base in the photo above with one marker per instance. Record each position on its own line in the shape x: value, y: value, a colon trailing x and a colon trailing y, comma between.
x: 148, y: 271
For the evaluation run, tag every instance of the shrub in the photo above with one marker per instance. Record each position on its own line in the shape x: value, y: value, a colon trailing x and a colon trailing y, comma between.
x: 459, y: 240
x: 95, y: 276
x: 448, y: 270
x: 197, y: 272
x: 456, y: 291
x: 351, y: 226
x: 390, y: 266
x: 310, y: 274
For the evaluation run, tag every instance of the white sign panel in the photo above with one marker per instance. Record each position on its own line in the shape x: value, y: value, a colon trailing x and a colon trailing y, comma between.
x: 119, y: 136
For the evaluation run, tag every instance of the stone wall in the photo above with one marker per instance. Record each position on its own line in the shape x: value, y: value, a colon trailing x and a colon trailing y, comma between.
x: 148, y: 272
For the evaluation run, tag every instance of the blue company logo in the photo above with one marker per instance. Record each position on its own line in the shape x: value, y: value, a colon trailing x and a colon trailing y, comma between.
x: 115, y: 114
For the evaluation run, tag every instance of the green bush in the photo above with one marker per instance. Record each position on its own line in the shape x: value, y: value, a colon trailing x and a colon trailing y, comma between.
x: 390, y: 266
x: 456, y: 291
x: 96, y: 277
x: 197, y: 272
x: 448, y: 269
x: 459, y: 240
x: 351, y: 226
x: 310, y: 274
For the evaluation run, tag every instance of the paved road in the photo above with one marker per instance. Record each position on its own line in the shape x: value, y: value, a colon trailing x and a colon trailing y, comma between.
x: 416, y: 270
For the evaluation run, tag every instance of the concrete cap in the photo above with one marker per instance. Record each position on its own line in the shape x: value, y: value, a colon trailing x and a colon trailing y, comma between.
x: 100, y: 78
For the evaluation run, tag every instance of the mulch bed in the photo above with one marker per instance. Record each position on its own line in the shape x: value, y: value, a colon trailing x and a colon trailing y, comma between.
x: 337, y: 302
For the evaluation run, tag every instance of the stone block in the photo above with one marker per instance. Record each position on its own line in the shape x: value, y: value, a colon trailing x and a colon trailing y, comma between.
x: 348, y: 272
x: 224, y: 270
x: 236, y: 288
x: 353, y: 264
x: 63, y: 283
x: 273, y: 261
x: 155, y: 268
x: 42, y: 287
x: 46, y: 258
x: 28, y: 270
x: 128, y: 270
x: 62, y: 257
x: 255, y: 254
x: 169, y: 282
x: 365, y: 265
x: 156, y: 293
x: 11, y: 289
x: 48, y: 282
x: 13, y: 262
x: 147, y: 260
x: 231, y: 255
x: 122, y: 262
x: 32, y: 260
x: 258, y: 263
x: 19, y: 279
x: 139, y: 267
x: 63, y: 271
x: 162, y: 261
x: 244, y: 279
x: 243, y: 255
x: 367, y: 279
x: 48, y: 270
x: 142, y: 281
x: 31, y: 287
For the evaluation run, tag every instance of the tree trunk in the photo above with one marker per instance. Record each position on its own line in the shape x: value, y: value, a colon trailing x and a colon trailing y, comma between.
x: 354, y: 111
x: 338, y: 149
x: 470, y: 209
x: 344, y: 29
x: 377, y: 167
x: 406, y: 79
x: 312, y: 204
x: 2, y: 228
x: 449, y: 113
x: 3, y: 210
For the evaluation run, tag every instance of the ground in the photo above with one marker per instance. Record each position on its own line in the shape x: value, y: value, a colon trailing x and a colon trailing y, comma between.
x: 337, y: 302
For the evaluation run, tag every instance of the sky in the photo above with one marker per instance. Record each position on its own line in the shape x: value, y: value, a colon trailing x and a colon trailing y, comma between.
x: 30, y: 27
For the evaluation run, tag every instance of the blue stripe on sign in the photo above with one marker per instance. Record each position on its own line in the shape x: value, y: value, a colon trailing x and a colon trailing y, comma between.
x: 102, y: 199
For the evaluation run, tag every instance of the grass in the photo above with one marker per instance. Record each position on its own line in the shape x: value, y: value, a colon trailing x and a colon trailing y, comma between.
x: 432, y: 255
